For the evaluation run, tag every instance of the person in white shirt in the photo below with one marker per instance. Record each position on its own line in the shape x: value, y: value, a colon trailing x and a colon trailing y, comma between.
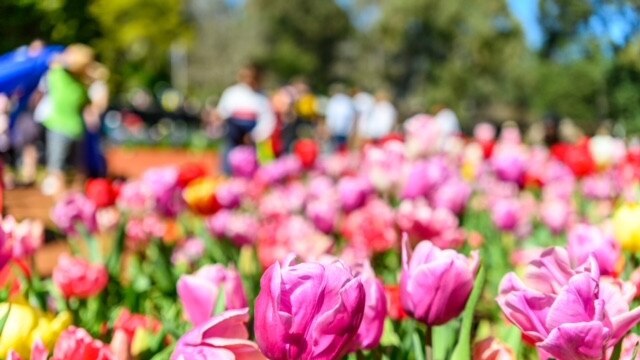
x: 247, y: 113
x: 380, y: 120
x: 340, y: 116
x: 448, y: 121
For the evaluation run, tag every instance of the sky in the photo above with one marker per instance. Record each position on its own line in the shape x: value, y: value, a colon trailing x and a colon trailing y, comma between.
x: 527, y: 12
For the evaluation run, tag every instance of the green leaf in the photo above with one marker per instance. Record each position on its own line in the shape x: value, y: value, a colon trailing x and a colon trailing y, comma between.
x: 3, y: 320
x: 115, y: 258
x: 617, y: 351
x: 463, y: 349
x: 389, y: 335
x: 221, y: 303
x: 444, y: 339
x: 418, y: 348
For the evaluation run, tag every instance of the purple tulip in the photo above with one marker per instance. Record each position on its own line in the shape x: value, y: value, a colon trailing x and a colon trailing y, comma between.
x: 375, y: 310
x: 217, y: 223
x: 588, y: 240
x: 566, y: 313
x: 556, y: 214
x: 163, y: 184
x: 240, y: 228
x: 243, y: 161
x: 435, y: 284
x: 189, y: 252
x: 6, y: 250
x: 453, y: 195
x: 425, y: 176
x: 509, y: 163
x: 323, y: 214
x: 353, y: 192
x: 230, y: 193
x: 75, y: 210
x: 505, y: 214
x: 199, y: 292
x: 308, y: 311
x: 223, y: 337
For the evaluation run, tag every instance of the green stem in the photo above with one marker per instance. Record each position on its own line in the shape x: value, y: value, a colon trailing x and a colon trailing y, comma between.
x: 428, y: 348
x: 95, y: 255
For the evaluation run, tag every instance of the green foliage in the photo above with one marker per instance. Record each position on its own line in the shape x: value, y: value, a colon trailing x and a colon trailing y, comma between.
x: 138, y: 35
x: 302, y: 37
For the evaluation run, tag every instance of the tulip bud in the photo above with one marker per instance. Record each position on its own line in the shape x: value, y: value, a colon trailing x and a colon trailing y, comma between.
x: 435, y: 284
x: 308, y: 311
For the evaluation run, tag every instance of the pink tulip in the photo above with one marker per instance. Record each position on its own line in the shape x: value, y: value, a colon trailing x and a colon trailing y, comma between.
x: 135, y: 197
x: 353, y: 192
x: 492, y: 349
x: 566, y: 313
x: 440, y: 226
x: 426, y: 176
x: 320, y: 187
x: 189, y: 252
x: 78, y: 278
x: 323, y: 214
x: 556, y: 214
x: 484, y: 132
x: 600, y: 186
x: 230, y: 193
x: 165, y: 189
x: 506, y: 215
x: 25, y: 237
x: 375, y: 310
x: 588, y: 240
x: 308, y: 311
x: 371, y: 228
x: 76, y: 344
x: 435, y: 284
x: 240, y: 228
x: 243, y: 161
x: 452, y: 195
x: 509, y: 163
x: 290, y: 234
x: 75, y: 210
x: 199, y: 292
x: 141, y: 231
x: 223, y: 337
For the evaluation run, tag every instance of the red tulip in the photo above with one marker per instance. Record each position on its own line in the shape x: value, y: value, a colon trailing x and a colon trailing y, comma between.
x: 190, y: 172
x: 101, y: 192
x: 307, y: 151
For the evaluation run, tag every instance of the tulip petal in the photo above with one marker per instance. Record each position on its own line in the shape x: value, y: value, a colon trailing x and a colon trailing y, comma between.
x: 270, y: 325
x: 623, y: 323
x: 198, y: 297
x: 551, y: 271
x: 579, y: 341
x: 336, y: 328
x: 525, y: 308
x: 577, y: 302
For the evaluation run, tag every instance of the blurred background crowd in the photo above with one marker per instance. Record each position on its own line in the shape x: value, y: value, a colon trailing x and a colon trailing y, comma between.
x: 342, y: 73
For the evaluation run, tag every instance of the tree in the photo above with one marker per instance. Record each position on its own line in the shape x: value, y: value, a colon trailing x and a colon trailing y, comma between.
x: 302, y: 36
x: 137, y: 36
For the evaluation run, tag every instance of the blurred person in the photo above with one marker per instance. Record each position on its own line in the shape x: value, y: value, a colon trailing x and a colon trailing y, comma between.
x: 448, y: 121
x: 67, y: 88
x: 340, y: 115
x: 98, y: 91
x: 283, y: 101
x: 380, y: 120
x: 246, y: 112
x: 363, y: 102
x: 551, y: 129
x: 306, y: 110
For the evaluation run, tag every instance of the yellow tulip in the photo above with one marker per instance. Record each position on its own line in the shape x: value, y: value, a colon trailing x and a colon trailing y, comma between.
x: 200, y: 195
x: 626, y: 223
x: 25, y: 325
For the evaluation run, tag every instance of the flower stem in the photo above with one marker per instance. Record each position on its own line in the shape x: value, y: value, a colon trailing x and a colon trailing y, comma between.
x: 429, y: 343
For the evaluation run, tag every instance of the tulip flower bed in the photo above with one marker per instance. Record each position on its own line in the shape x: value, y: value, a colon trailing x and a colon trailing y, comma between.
x: 428, y: 248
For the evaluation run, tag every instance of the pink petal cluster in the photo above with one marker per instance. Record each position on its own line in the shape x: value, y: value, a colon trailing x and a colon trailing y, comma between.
x: 76, y: 277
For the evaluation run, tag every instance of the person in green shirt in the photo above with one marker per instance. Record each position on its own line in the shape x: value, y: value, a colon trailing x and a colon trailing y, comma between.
x: 67, y: 91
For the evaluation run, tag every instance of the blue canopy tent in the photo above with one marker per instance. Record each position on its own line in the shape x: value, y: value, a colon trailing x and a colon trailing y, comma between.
x: 20, y: 74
